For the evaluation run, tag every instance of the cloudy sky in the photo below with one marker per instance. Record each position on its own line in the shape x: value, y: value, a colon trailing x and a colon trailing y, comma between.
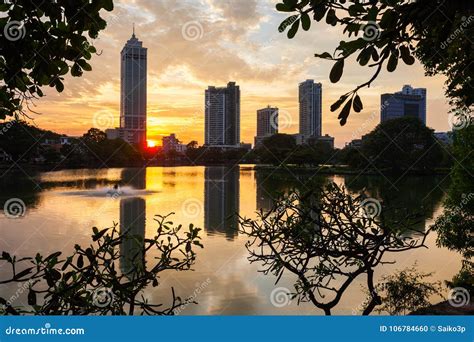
x: 195, y: 43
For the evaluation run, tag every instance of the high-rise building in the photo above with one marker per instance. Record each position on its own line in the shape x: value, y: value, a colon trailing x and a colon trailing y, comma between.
x: 267, y: 123
x: 310, y: 100
x: 222, y: 118
x: 408, y: 102
x: 133, y: 92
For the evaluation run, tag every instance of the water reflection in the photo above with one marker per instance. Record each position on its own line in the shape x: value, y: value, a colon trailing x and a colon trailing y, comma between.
x: 132, y: 223
x: 221, y: 200
x: 413, y: 195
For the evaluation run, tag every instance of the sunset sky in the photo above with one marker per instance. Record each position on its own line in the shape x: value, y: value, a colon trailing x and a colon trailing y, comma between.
x: 195, y: 43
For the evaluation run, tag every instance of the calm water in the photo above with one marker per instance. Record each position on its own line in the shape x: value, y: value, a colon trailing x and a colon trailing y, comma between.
x: 62, y: 207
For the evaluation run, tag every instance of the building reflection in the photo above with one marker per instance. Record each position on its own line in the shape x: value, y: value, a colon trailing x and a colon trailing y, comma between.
x: 136, y: 178
x: 132, y: 223
x: 221, y: 197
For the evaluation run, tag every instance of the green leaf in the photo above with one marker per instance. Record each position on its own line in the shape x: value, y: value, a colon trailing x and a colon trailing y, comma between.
x: 80, y: 261
x: 294, y: 28
x: 59, y: 85
x: 319, y: 11
x: 108, y: 5
x: 305, y: 21
x: 336, y: 71
x: 84, y: 65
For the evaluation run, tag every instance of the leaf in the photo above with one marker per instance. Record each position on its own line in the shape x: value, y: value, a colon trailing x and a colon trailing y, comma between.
x: 283, y: 8
x: 336, y: 71
x: 287, y: 22
x: 294, y: 28
x: 59, y: 85
x: 331, y: 18
x: 358, y: 106
x: 392, y: 63
x: 84, y: 65
x: 80, y: 261
x: 406, y: 55
x: 23, y: 273
x: 108, y: 5
x: 31, y: 297
x: 335, y: 106
x: 319, y: 11
x: 324, y: 55
x: 344, y: 114
x: 305, y: 21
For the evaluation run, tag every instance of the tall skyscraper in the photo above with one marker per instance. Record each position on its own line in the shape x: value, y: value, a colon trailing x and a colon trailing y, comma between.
x: 222, y: 118
x: 310, y: 99
x: 267, y: 123
x: 133, y: 92
x: 408, y: 102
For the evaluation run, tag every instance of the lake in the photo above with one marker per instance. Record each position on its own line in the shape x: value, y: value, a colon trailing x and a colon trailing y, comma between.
x: 63, y: 206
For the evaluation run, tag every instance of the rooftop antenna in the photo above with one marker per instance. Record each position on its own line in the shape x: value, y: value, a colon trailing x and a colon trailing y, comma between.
x: 133, y: 34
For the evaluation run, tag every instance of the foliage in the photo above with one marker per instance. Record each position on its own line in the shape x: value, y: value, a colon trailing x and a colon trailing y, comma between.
x: 464, y: 278
x: 22, y: 140
x: 400, y: 145
x: 42, y: 42
x: 276, y: 148
x: 90, y: 281
x: 455, y: 227
x: 383, y: 32
x: 326, y: 240
x: 406, y: 291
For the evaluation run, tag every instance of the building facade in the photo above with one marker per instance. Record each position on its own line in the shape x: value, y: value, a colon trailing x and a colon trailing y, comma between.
x: 267, y: 123
x: 133, y: 92
x: 222, y: 116
x: 310, y: 104
x: 171, y: 143
x: 407, y: 102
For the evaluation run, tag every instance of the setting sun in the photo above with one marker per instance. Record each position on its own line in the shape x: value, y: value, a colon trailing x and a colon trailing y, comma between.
x: 151, y: 143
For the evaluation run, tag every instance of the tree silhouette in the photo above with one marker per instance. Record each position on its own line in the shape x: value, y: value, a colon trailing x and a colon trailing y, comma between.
x: 327, y: 240
x: 43, y: 41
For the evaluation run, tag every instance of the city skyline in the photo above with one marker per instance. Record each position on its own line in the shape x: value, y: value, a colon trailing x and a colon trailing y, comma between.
x: 181, y: 66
